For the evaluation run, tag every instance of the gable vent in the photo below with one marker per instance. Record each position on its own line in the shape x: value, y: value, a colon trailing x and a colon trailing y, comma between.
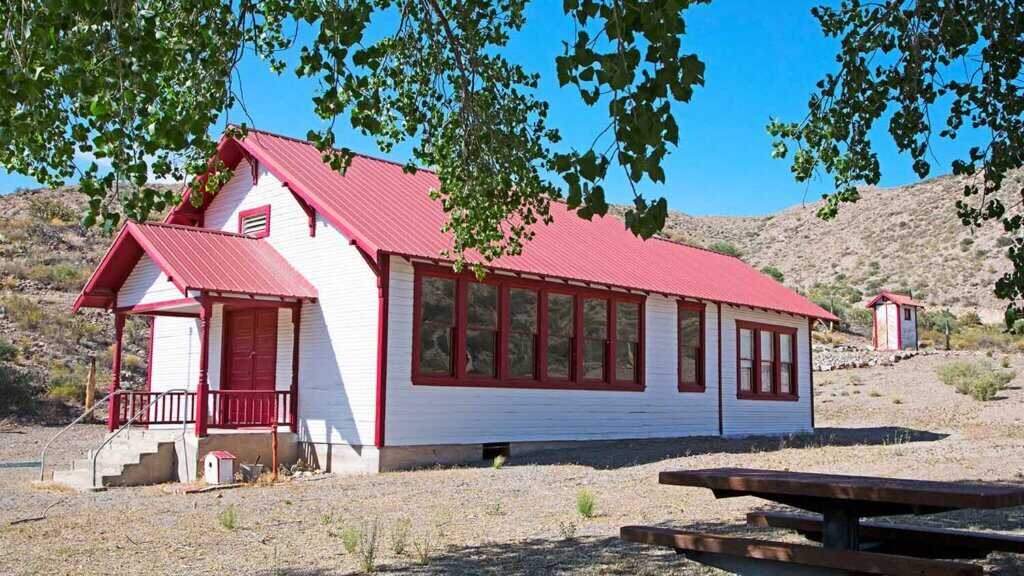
x: 254, y: 224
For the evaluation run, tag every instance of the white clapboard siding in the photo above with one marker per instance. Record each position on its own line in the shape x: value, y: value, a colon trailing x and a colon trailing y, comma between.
x: 892, y: 324
x: 881, y: 330
x: 418, y: 415
x: 338, y: 337
x: 753, y: 417
x: 147, y: 284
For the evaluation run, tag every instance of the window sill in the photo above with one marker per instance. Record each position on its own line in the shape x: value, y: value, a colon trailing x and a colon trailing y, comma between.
x: 527, y: 384
x: 692, y: 389
x: 768, y: 397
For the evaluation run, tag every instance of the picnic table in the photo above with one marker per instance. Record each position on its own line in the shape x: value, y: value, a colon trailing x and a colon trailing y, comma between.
x: 840, y: 503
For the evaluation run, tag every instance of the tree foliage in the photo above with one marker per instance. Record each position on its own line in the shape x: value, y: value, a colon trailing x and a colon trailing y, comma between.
x: 133, y: 88
x: 926, y: 69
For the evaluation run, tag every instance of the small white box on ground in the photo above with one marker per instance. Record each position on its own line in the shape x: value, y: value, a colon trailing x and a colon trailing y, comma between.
x: 219, y: 467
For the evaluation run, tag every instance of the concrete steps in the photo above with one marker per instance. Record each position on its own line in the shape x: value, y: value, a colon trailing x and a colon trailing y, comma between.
x: 132, y: 461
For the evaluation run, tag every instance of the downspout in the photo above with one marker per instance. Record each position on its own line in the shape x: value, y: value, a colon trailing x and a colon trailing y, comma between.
x: 718, y: 318
x: 383, y: 282
x: 810, y: 363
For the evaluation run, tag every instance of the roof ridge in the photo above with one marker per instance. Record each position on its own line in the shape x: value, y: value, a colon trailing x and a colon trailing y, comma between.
x: 307, y: 142
x: 195, y: 229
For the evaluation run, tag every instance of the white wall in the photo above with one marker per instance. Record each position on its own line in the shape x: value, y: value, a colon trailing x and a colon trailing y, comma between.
x: 742, y: 417
x: 892, y: 326
x: 881, y: 328
x: 418, y: 415
x: 338, y: 338
x: 147, y: 284
x: 908, y: 328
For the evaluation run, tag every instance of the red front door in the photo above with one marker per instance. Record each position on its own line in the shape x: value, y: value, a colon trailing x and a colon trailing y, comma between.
x: 250, y: 363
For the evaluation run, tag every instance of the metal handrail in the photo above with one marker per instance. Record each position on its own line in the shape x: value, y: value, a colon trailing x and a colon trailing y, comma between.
x: 144, y: 410
x: 42, y: 453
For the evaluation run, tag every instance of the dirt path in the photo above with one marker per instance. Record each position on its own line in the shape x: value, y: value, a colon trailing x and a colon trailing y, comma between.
x: 521, y: 519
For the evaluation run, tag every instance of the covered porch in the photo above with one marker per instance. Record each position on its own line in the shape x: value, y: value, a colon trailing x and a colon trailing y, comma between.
x: 225, y: 314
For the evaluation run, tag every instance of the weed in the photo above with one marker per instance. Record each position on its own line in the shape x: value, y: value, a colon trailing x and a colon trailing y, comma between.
x: 1005, y: 362
x: 424, y: 548
x: 586, y: 503
x: 978, y: 379
x: 326, y: 519
x: 350, y: 537
x: 17, y: 387
x: 499, y: 461
x: 875, y: 394
x: 8, y: 351
x: 568, y: 530
x: 897, y: 399
x: 856, y: 380
x: 495, y: 509
x: 228, y: 517
x: 400, y: 535
x: 368, y: 548
x: 442, y: 522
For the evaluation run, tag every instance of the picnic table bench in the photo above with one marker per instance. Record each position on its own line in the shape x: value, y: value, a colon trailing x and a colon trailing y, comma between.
x: 839, y: 503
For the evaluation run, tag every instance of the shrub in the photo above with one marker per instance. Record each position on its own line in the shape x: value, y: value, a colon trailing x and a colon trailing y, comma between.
x: 424, y: 548
x: 499, y: 461
x: 969, y: 319
x: 350, y: 537
x: 228, y: 517
x: 68, y: 382
x: 368, y: 548
x: 17, y: 389
x: 978, y: 378
x: 8, y: 351
x: 46, y: 209
x: 774, y: 273
x: 586, y: 503
x: 1004, y: 241
x: 400, y: 535
x: 727, y: 248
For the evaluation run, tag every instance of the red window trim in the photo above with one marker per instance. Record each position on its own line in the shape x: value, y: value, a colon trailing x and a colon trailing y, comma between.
x: 701, y: 384
x: 265, y: 209
x: 541, y: 380
x: 755, y: 393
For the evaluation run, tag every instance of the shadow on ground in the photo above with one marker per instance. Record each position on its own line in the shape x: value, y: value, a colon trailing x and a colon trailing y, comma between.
x: 614, y: 454
x: 558, y: 555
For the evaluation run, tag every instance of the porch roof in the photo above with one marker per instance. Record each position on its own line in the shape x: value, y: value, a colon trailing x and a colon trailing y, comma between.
x: 195, y: 259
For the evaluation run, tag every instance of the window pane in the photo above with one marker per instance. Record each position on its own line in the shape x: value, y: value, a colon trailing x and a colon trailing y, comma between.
x: 767, y: 339
x: 438, y: 303
x: 521, y: 354
x: 522, y: 307
x: 560, y: 313
x: 593, y: 359
x: 595, y: 318
x: 483, y: 305
x: 786, y: 378
x: 435, y: 350
x: 746, y: 375
x: 480, y: 352
x: 559, y: 355
x: 767, y: 374
x: 627, y: 321
x: 786, y: 347
x: 625, y: 361
x: 746, y: 343
x: 688, y: 357
x: 689, y: 328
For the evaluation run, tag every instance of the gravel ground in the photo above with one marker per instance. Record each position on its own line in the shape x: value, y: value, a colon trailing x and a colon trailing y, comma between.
x: 887, y: 421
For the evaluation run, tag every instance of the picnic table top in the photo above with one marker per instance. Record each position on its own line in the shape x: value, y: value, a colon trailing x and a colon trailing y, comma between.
x: 776, y: 485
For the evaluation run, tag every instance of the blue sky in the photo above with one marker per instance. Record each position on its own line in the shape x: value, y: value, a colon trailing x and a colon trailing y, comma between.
x: 763, y: 59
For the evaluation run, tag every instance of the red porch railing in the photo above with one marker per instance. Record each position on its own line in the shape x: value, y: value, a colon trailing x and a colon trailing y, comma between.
x: 174, y: 408
x: 245, y: 408
x: 227, y: 408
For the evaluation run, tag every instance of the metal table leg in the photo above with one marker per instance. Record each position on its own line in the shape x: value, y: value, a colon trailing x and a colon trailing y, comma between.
x: 841, y: 528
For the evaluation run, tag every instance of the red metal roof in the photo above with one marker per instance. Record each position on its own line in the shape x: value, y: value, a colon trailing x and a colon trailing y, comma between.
x: 901, y: 299
x: 384, y: 209
x: 196, y: 259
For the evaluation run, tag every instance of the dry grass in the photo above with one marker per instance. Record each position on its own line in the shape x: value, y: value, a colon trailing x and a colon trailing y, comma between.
x: 299, y: 526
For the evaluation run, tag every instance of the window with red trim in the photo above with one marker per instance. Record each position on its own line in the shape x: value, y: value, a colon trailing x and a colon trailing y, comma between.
x: 766, y: 361
x: 255, y: 222
x: 691, y: 347
x: 511, y: 332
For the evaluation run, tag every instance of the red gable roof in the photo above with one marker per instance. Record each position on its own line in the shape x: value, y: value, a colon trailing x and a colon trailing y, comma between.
x: 195, y: 259
x: 384, y: 209
x: 901, y: 299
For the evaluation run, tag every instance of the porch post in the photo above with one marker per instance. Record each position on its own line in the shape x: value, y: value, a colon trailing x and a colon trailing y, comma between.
x: 293, y: 406
x: 113, y: 421
x: 203, y: 388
